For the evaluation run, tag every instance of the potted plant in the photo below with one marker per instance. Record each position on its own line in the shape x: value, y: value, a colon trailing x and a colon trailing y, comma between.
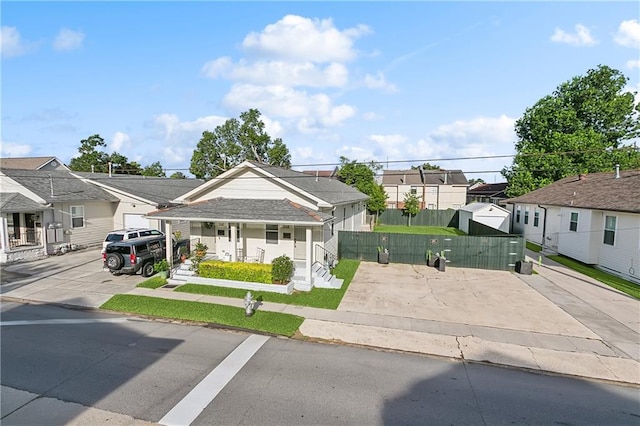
x: 201, y: 249
x: 383, y: 255
x: 183, y: 254
x: 161, y: 267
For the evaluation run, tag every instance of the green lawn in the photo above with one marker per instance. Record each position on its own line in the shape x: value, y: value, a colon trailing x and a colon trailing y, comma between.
x: 608, y: 279
x: 534, y: 247
x: 316, y: 298
x: 153, y: 282
x: 422, y: 230
x: 270, y: 322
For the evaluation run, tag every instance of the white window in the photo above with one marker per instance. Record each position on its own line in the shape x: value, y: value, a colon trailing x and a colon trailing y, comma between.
x: 77, y: 216
x: 414, y: 190
x: 536, y: 217
x: 573, y: 222
x: 526, y: 215
x: 431, y: 206
x: 518, y: 214
x: 609, y: 230
x: 272, y: 234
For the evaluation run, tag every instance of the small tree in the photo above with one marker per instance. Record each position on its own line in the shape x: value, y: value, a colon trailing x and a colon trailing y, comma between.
x: 411, y: 205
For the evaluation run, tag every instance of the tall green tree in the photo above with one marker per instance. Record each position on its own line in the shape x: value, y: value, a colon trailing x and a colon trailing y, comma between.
x: 178, y: 175
x: 580, y: 128
x: 411, y: 205
x: 91, y: 156
x: 234, y: 141
x: 362, y: 176
x: 154, y: 169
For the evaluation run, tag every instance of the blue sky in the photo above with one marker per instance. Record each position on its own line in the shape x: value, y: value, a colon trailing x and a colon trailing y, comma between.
x: 384, y: 81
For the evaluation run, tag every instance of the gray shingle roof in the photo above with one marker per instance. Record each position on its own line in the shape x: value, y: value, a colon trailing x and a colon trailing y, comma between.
x: 26, y: 163
x: 330, y: 190
x: 61, y: 183
x: 431, y: 177
x: 243, y: 210
x: 13, y: 202
x: 598, y: 191
x: 156, y: 189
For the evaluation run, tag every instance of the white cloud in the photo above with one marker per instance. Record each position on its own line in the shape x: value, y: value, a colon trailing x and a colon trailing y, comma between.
x: 278, y: 72
x: 379, y: 82
x: 303, y: 39
x: 120, y: 140
x: 312, y: 111
x: 10, y: 149
x: 371, y: 116
x: 11, y: 43
x: 633, y: 63
x: 628, y: 34
x: 581, y: 37
x: 68, y: 40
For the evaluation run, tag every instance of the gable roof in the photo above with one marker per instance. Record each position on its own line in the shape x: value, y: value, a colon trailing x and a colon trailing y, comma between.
x: 157, y: 190
x: 489, y: 189
x: 58, y: 185
x: 474, y: 207
x: 331, y: 174
x: 431, y: 177
x: 324, y: 190
x: 243, y: 211
x: 13, y: 202
x: 28, y: 163
x: 598, y: 191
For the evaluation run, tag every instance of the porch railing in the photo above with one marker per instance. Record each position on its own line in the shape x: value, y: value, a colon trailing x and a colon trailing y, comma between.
x: 325, y: 257
x: 29, y: 238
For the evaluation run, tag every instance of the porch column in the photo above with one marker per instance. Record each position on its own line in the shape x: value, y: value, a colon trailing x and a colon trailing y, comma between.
x: 309, y: 256
x: 168, y: 229
x: 234, y: 243
x: 4, y: 240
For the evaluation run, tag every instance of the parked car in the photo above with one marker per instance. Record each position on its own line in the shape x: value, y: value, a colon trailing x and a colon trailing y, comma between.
x: 127, y: 234
x: 139, y: 254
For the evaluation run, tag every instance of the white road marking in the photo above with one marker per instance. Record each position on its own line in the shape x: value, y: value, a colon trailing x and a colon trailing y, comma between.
x: 61, y: 321
x: 200, y: 396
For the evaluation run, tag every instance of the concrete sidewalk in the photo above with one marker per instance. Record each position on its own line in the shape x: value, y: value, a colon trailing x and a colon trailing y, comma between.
x: 555, y: 321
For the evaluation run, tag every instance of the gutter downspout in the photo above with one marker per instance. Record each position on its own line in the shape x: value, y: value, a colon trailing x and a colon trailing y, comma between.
x: 544, y: 225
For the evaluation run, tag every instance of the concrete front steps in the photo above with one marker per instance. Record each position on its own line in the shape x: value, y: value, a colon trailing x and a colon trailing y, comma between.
x: 321, y: 277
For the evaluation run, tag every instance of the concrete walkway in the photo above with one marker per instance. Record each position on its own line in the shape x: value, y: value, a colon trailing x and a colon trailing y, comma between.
x: 554, y: 321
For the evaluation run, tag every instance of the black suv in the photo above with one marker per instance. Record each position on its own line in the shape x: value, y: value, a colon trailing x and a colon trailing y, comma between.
x: 139, y: 254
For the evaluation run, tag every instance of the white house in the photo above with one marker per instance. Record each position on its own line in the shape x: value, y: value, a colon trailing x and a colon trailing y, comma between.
x: 256, y: 206
x: 486, y: 213
x: 592, y: 218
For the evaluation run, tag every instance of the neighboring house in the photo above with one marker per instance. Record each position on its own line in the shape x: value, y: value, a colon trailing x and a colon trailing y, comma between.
x: 139, y: 195
x: 486, y: 213
x: 256, y: 207
x: 437, y: 189
x: 32, y: 163
x: 47, y: 210
x: 487, y: 193
x: 592, y: 218
x: 331, y: 174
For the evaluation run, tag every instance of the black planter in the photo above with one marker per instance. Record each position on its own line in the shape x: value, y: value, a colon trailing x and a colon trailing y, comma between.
x: 383, y: 258
x: 441, y: 263
x: 524, y: 268
x: 431, y: 260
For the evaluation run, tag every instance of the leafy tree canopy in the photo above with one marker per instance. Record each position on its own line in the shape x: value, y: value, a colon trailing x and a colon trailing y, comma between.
x: 580, y: 128
x: 178, y: 175
x: 235, y: 141
x: 92, y: 158
x: 411, y: 205
x: 474, y: 181
x: 427, y: 166
x: 363, y: 177
x: 154, y: 169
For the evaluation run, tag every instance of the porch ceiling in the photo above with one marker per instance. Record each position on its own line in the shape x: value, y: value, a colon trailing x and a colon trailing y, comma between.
x: 244, y: 211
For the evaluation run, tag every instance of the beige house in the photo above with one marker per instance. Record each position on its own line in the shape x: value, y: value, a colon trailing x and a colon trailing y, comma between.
x: 256, y: 208
x: 436, y: 189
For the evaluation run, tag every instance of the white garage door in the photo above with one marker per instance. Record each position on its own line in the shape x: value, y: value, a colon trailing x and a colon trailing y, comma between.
x: 135, y: 221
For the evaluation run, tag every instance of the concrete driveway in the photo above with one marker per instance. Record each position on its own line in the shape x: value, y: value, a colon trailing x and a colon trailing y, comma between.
x: 468, y: 296
x: 75, y: 278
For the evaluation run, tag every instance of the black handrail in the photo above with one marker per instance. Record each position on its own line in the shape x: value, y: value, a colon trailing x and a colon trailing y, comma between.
x: 325, y: 257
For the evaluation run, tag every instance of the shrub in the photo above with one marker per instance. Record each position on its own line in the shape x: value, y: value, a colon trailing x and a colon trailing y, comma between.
x: 282, y: 269
x: 237, y: 271
x: 161, y: 265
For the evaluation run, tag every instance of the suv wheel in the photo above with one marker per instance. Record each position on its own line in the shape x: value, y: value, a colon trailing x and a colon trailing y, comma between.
x: 115, y: 261
x: 147, y: 269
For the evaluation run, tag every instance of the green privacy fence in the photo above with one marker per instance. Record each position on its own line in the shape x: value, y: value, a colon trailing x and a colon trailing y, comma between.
x: 422, y: 218
x: 483, y: 252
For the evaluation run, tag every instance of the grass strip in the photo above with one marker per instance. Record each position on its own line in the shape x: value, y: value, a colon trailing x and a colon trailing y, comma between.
x: 611, y: 280
x: 325, y: 298
x: 270, y: 322
x: 534, y: 247
x: 420, y: 230
x: 153, y: 282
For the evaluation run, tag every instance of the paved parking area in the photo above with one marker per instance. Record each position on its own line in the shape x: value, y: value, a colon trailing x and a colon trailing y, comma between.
x: 459, y: 295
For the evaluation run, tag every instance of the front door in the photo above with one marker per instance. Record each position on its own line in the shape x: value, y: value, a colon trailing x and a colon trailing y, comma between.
x: 300, y: 243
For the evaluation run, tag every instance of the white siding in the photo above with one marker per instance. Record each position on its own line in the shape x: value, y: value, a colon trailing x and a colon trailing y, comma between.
x: 623, y: 258
x: 129, y: 205
x: 249, y: 185
x: 98, y: 221
x: 577, y: 244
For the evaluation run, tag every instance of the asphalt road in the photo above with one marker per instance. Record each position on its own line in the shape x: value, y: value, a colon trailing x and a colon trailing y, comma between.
x: 57, y: 361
